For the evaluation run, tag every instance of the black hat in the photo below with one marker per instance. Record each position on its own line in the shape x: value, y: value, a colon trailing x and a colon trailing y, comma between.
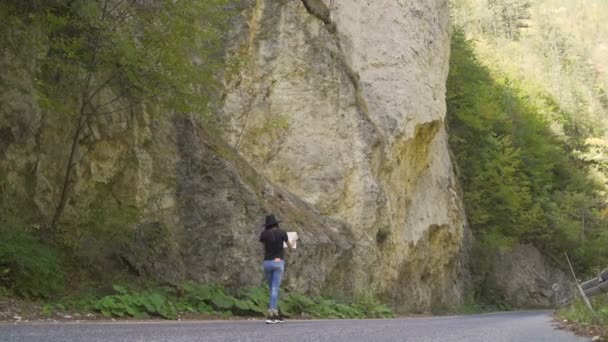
x: 271, y: 221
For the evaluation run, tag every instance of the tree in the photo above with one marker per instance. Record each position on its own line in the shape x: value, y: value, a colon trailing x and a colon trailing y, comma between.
x: 110, y: 56
x: 508, y: 17
x: 521, y: 182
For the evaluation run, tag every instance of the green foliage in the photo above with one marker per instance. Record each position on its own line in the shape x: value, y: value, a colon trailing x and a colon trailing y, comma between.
x: 521, y: 182
x: 167, y: 302
x: 603, y: 313
x: 97, y: 229
x: 296, y: 304
x: 578, y: 312
x: 164, y: 52
x: 555, y: 53
x: 88, y: 60
x: 140, y: 304
x: 364, y: 306
x: 84, y: 62
x: 470, y: 306
x: 258, y: 298
x: 507, y: 17
x: 47, y: 309
x: 210, y: 299
x: 28, y: 267
x: 4, y: 292
x: 74, y: 301
x: 369, y: 305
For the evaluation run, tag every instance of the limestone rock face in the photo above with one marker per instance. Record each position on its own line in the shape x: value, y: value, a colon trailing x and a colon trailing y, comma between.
x: 332, y: 119
x: 221, y: 206
x: 342, y: 104
x: 528, y: 279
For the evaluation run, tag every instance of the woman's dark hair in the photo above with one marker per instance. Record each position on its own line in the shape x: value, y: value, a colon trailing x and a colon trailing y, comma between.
x: 272, y: 226
x: 273, y: 238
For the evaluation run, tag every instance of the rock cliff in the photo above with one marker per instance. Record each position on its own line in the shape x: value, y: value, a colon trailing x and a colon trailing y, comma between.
x: 528, y: 279
x: 343, y: 106
x: 332, y: 118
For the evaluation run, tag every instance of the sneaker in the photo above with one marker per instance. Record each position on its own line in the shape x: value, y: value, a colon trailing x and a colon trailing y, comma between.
x: 270, y: 318
x: 278, y: 317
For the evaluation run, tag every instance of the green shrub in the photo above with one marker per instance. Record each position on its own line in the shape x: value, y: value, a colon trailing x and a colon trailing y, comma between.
x: 138, y: 305
x: 28, y: 267
x: 371, y: 307
x: 603, y: 314
x: 190, y: 297
x: 470, y: 306
x: 365, y: 306
x: 214, y: 299
x: 211, y: 299
x: 258, y: 299
x: 578, y: 312
x: 4, y: 292
x: 295, y: 304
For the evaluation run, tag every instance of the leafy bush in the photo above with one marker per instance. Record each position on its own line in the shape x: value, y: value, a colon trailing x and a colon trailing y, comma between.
x: 258, y: 299
x: 371, y: 307
x: 470, y: 306
x: 578, y: 312
x: 97, y: 229
x: 365, y: 306
x: 211, y: 299
x: 165, y: 302
x: 28, y: 267
x: 603, y: 314
x: 4, y: 292
x: 142, y: 304
x: 295, y: 304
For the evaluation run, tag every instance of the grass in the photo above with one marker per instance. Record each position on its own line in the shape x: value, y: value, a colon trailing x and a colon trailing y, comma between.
x: 578, y: 312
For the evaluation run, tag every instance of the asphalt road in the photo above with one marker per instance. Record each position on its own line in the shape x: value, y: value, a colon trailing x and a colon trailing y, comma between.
x: 531, y: 326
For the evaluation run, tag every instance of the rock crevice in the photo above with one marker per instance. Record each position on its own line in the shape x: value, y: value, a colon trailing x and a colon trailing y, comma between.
x: 319, y: 10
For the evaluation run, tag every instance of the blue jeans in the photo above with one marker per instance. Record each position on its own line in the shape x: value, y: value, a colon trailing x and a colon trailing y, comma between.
x: 273, y: 271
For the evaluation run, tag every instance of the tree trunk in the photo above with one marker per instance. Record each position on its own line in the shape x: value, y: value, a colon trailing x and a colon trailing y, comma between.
x: 67, y: 178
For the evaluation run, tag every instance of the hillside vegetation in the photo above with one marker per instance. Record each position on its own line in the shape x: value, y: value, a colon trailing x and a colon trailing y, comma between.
x: 558, y: 45
x: 527, y: 114
x: 71, y: 65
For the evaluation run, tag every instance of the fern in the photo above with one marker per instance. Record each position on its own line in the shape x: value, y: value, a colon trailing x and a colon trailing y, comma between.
x: 210, y: 299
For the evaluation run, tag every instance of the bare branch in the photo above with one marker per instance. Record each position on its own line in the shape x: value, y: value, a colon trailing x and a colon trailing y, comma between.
x: 116, y: 98
x: 126, y: 13
x: 115, y: 7
x: 103, y: 85
x: 103, y: 12
x: 97, y: 114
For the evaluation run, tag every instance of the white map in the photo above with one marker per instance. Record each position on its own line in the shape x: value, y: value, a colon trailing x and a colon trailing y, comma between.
x: 293, y: 238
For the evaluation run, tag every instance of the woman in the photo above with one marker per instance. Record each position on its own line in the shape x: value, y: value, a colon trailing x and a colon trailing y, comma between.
x: 273, y: 238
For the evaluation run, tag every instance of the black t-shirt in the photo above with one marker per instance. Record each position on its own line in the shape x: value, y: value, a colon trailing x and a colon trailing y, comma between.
x: 273, y: 243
